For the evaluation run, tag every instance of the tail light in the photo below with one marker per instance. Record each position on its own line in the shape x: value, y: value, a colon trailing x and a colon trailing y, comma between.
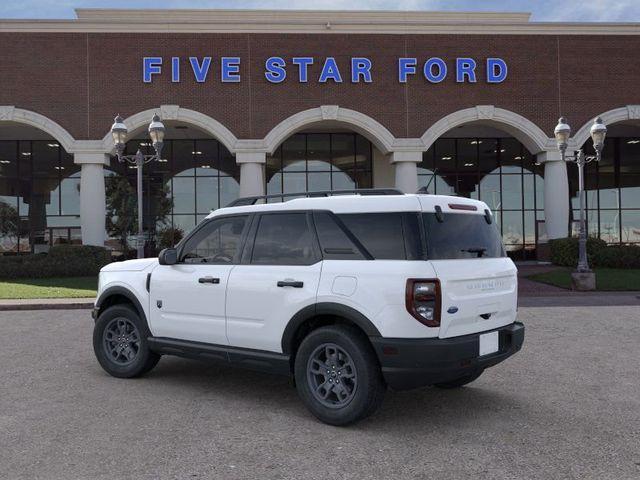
x: 423, y: 301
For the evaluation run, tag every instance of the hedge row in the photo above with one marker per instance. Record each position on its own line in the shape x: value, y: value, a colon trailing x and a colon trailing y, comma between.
x: 61, y: 261
x: 564, y: 252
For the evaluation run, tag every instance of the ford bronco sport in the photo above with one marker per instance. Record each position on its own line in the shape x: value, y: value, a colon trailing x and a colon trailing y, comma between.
x: 348, y: 293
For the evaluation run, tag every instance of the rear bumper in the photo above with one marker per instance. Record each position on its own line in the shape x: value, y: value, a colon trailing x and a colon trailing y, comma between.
x: 410, y: 363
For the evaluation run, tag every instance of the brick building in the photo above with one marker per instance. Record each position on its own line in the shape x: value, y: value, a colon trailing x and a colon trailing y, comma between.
x: 284, y: 101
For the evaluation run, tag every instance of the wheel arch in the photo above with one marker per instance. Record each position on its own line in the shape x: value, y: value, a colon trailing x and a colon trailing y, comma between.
x: 320, y: 314
x: 117, y: 295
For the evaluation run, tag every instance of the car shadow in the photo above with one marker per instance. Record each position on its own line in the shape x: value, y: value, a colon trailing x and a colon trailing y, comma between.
x: 414, y: 409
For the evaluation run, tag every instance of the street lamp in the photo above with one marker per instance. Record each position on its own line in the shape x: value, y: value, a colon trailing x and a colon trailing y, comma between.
x: 562, y: 133
x: 119, y: 133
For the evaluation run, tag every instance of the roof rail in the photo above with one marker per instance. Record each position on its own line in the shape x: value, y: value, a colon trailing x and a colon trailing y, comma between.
x: 244, y: 201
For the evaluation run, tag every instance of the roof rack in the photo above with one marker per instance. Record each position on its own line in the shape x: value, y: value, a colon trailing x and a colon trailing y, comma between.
x: 244, y: 201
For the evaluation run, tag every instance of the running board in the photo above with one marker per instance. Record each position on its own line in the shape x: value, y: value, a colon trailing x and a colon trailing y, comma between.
x: 260, y: 360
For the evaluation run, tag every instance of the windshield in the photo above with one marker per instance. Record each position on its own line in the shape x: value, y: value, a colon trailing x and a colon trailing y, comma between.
x: 461, y: 235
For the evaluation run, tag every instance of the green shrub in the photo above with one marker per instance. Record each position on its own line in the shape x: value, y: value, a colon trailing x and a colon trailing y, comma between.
x: 564, y: 251
x: 618, y: 256
x: 61, y: 261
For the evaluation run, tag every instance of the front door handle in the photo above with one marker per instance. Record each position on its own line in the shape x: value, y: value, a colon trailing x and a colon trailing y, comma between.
x: 290, y: 283
x: 208, y: 280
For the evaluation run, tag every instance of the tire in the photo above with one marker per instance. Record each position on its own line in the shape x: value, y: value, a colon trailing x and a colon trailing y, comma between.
x: 460, y: 382
x: 351, y: 363
x: 132, y: 357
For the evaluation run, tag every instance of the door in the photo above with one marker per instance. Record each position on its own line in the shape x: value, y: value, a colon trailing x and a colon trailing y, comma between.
x: 279, y: 276
x: 188, y: 298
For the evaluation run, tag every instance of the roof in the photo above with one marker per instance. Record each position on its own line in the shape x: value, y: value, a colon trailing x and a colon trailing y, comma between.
x: 361, y: 204
x: 310, y: 21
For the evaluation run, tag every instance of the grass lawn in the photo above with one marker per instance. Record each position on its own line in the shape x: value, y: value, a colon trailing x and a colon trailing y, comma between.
x: 72, y: 287
x: 607, y: 279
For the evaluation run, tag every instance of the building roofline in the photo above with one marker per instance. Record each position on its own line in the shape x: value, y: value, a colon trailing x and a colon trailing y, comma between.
x: 311, y: 22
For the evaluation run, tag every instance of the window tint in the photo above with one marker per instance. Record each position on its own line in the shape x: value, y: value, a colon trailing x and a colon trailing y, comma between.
x: 283, y: 239
x: 461, y: 235
x: 380, y: 233
x: 334, y: 242
x: 217, y: 242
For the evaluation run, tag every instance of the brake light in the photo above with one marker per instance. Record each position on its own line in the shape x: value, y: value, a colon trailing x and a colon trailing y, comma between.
x: 423, y: 301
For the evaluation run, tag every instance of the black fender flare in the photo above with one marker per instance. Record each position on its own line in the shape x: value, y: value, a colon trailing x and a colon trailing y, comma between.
x: 118, y: 290
x: 325, y: 308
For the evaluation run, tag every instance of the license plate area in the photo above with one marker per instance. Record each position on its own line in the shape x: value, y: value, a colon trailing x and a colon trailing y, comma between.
x: 489, y: 343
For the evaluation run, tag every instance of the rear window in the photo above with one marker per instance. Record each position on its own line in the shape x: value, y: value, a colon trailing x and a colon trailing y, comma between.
x: 461, y: 235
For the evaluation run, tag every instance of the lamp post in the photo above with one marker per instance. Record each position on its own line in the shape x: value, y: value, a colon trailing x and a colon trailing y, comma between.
x: 562, y: 133
x: 119, y: 133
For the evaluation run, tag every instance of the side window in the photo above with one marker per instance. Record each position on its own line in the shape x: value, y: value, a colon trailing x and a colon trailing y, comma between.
x: 334, y: 242
x: 284, y: 239
x: 380, y: 233
x: 218, y: 242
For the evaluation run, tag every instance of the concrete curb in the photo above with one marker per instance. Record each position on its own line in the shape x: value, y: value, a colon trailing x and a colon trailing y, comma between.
x: 46, y: 304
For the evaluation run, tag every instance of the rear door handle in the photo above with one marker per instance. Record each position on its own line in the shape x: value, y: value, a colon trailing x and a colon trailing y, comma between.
x: 290, y: 283
x: 208, y: 280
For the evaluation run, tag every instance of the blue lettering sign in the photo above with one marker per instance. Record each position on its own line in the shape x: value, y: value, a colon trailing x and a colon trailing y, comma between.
x: 496, y: 70
x: 406, y: 66
x: 465, y: 67
x: 428, y: 70
x: 360, y: 67
x: 275, y: 69
x: 303, y: 67
x: 230, y: 69
x: 151, y: 66
x: 330, y: 71
x: 200, y: 71
x: 175, y: 69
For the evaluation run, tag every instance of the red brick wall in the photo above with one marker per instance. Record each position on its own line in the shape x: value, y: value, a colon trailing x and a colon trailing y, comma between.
x: 82, y: 80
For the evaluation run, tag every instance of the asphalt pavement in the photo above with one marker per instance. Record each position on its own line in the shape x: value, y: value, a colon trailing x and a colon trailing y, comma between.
x: 566, y: 406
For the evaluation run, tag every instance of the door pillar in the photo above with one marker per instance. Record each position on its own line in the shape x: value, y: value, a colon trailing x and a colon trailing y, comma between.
x: 556, y: 194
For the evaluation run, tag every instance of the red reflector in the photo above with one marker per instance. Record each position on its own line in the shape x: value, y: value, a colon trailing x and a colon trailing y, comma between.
x: 386, y: 350
x: 462, y: 206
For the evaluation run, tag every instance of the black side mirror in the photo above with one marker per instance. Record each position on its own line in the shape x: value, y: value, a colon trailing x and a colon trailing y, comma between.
x: 168, y: 256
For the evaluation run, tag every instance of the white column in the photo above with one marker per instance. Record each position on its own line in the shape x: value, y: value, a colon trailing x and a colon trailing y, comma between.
x: 406, y: 166
x: 92, y: 197
x: 251, y: 173
x: 556, y: 194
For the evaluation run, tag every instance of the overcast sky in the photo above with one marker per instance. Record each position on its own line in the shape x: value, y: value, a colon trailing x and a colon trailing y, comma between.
x: 543, y: 10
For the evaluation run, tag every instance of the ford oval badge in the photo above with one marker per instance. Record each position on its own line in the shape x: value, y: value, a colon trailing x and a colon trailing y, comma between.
x: 452, y: 310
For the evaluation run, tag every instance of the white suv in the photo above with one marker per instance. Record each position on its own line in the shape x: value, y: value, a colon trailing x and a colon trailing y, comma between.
x: 347, y: 293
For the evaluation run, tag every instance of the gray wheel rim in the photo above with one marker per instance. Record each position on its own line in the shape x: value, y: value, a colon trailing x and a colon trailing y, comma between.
x: 331, y: 375
x: 121, y: 341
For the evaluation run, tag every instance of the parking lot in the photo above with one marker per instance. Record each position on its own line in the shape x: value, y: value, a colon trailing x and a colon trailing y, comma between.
x: 567, y: 406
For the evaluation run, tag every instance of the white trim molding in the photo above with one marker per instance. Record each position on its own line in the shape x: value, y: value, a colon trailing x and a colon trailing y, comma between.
x: 179, y: 114
x: 629, y: 112
x: 373, y: 130
x: 10, y: 113
x: 527, y: 132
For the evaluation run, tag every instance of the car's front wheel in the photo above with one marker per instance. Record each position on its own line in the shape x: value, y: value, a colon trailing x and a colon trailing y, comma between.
x: 120, y: 343
x: 338, y: 376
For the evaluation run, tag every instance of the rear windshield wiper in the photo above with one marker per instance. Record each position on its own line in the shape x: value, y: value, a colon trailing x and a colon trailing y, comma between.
x: 479, y: 251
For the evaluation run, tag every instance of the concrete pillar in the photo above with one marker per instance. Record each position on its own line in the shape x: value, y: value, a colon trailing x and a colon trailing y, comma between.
x: 251, y: 173
x: 406, y: 166
x: 92, y: 197
x: 556, y: 194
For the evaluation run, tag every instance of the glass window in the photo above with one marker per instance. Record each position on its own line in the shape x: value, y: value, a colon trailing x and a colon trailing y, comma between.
x: 319, y: 152
x: 283, y: 239
x: 380, y: 233
x: 630, y: 226
x: 218, y: 242
x: 461, y: 235
x: 334, y: 242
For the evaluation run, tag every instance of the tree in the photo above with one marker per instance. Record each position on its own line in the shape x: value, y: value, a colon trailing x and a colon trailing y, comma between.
x: 9, y: 221
x: 122, y: 208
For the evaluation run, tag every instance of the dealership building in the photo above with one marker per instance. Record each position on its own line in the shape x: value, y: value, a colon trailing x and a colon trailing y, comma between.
x: 274, y: 102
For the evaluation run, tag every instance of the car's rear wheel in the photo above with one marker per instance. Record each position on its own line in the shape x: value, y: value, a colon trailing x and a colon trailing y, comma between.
x: 337, y: 375
x: 120, y: 343
x: 460, y: 382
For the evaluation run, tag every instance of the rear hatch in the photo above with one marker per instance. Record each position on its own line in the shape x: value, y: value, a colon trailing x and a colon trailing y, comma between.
x: 478, y: 282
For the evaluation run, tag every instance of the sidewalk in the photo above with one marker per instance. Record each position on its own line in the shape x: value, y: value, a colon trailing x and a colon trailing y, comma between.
x: 46, y: 304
